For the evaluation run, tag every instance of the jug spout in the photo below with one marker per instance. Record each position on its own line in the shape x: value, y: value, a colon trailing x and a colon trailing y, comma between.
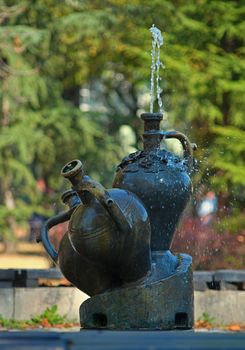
x: 83, y: 185
x: 73, y: 171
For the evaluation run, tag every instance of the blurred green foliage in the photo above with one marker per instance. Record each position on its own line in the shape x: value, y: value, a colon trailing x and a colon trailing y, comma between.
x: 49, y: 49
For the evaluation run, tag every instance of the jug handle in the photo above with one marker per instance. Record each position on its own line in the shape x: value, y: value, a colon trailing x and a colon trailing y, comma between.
x: 113, y: 209
x: 188, y: 147
x: 44, y: 235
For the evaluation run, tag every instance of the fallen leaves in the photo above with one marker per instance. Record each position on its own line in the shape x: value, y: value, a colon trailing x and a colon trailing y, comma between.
x: 235, y: 328
x: 201, y: 324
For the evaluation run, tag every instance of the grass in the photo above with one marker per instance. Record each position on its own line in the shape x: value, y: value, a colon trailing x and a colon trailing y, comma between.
x: 51, y: 318
x: 48, y: 319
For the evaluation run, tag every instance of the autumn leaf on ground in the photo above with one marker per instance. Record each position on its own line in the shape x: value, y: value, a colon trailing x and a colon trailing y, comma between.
x: 234, y: 328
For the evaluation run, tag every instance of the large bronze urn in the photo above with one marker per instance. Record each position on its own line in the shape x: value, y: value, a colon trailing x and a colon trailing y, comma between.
x: 159, y: 178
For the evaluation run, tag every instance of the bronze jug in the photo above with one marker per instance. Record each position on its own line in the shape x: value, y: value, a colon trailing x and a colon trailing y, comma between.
x: 159, y: 178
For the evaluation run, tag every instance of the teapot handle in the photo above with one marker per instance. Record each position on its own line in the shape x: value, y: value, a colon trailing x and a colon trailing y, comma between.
x: 186, y: 144
x: 44, y: 235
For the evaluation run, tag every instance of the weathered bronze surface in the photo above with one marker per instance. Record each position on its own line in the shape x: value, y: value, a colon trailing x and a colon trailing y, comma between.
x: 117, y: 246
x: 160, y: 179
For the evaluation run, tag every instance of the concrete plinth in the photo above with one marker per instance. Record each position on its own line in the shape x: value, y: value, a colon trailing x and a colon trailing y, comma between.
x: 226, y: 307
x: 155, y: 304
x: 7, y: 302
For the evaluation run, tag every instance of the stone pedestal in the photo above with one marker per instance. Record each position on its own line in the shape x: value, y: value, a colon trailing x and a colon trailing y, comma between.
x: 164, y: 300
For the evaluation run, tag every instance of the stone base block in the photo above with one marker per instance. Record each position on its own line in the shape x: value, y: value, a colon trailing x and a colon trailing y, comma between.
x: 162, y: 304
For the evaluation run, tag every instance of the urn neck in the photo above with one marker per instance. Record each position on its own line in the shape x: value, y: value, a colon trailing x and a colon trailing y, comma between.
x: 151, y: 136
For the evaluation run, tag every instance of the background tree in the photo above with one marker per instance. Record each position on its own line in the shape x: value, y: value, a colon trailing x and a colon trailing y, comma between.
x: 40, y: 129
x: 50, y: 49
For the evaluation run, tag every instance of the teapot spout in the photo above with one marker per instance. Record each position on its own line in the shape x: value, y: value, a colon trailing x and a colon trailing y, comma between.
x: 118, y: 216
x: 83, y: 184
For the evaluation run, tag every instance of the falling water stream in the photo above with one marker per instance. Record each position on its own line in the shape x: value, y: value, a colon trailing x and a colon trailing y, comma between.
x: 157, y: 42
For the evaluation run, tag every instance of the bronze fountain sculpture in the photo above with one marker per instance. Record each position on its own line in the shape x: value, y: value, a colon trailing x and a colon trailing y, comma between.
x: 117, y: 246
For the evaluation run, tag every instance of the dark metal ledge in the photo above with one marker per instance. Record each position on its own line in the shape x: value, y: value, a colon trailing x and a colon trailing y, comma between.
x: 123, y: 340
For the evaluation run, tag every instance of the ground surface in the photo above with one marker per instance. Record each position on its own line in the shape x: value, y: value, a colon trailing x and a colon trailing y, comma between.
x: 24, y: 255
x: 19, y: 261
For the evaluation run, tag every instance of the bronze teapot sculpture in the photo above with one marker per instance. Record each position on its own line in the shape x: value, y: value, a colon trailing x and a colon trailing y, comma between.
x: 118, y: 240
x: 108, y: 235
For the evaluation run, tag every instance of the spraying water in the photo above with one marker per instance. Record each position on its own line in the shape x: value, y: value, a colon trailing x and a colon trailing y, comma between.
x: 157, y: 42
